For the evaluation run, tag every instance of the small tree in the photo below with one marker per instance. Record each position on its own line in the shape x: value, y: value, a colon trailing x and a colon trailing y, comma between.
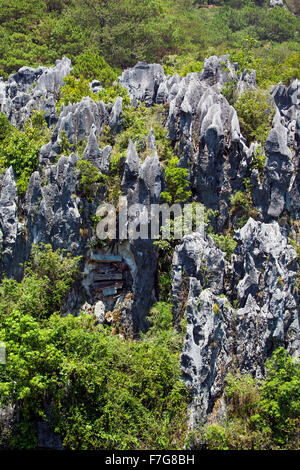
x: 177, y: 183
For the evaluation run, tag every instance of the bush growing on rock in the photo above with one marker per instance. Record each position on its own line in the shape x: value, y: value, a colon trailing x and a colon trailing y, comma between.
x: 4, y: 126
x: 226, y: 243
x: 255, y: 113
x: 76, y: 88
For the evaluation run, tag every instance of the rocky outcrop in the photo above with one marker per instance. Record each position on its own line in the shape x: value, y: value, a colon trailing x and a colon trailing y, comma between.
x: 260, y: 283
x: 142, y: 182
x: 142, y: 82
x: 11, y: 228
x: 281, y: 174
x: 265, y: 271
x: 278, y: 171
x: 77, y: 122
x: 205, y: 132
x: 238, y: 312
x: 203, y: 127
x: 33, y: 89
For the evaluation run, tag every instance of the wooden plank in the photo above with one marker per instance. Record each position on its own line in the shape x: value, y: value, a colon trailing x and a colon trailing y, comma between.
x: 106, y: 258
x: 108, y: 276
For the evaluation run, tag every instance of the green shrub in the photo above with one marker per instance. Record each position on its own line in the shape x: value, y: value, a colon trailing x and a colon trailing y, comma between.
x: 97, y: 390
x: 137, y: 123
x: 255, y: 114
x: 229, y: 90
x: 181, y: 65
x: 226, y: 243
x: 20, y: 149
x: 279, y: 406
x: 265, y: 417
x: 160, y: 317
x: 48, y: 276
x: 109, y: 94
x: 242, y: 395
x: 5, y: 126
x: 90, y: 66
x: 242, y: 205
x: 177, y: 183
x: 73, y: 90
x: 259, y: 160
x: 240, y: 200
x: 89, y: 178
x: 113, y: 179
x: 57, y: 269
x: 294, y: 241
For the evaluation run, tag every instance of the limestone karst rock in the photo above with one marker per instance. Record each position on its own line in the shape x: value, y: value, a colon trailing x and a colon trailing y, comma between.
x: 237, y: 311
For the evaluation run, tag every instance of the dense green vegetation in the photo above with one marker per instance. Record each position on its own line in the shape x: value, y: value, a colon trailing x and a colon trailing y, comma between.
x: 38, y: 32
x: 97, y: 390
x: 259, y: 417
x: 20, y: 148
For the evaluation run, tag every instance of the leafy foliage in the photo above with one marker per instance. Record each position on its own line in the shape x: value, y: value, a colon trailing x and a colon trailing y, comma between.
x: 255, y: 114
x: 4, y: 126
x: 96, y: 390
x: 20, y: 149
x: 177, y: 183
x: 89, y: 178
x: 226, y: 243
x: 242, y: 205
x: 73, y: 90
x: 160, y: 317
x: 259, y: 160
x: 137, y: 123
x: 37, y: 32
x: 91, y: 66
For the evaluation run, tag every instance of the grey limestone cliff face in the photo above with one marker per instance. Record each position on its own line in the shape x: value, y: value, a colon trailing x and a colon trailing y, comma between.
x: 142, y: 182
x: 205, y: 132
x: 238, y: 311
x: 33, y: 89
x: 280, y: 186
x: 203, y: 127
x: 260, y: 283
